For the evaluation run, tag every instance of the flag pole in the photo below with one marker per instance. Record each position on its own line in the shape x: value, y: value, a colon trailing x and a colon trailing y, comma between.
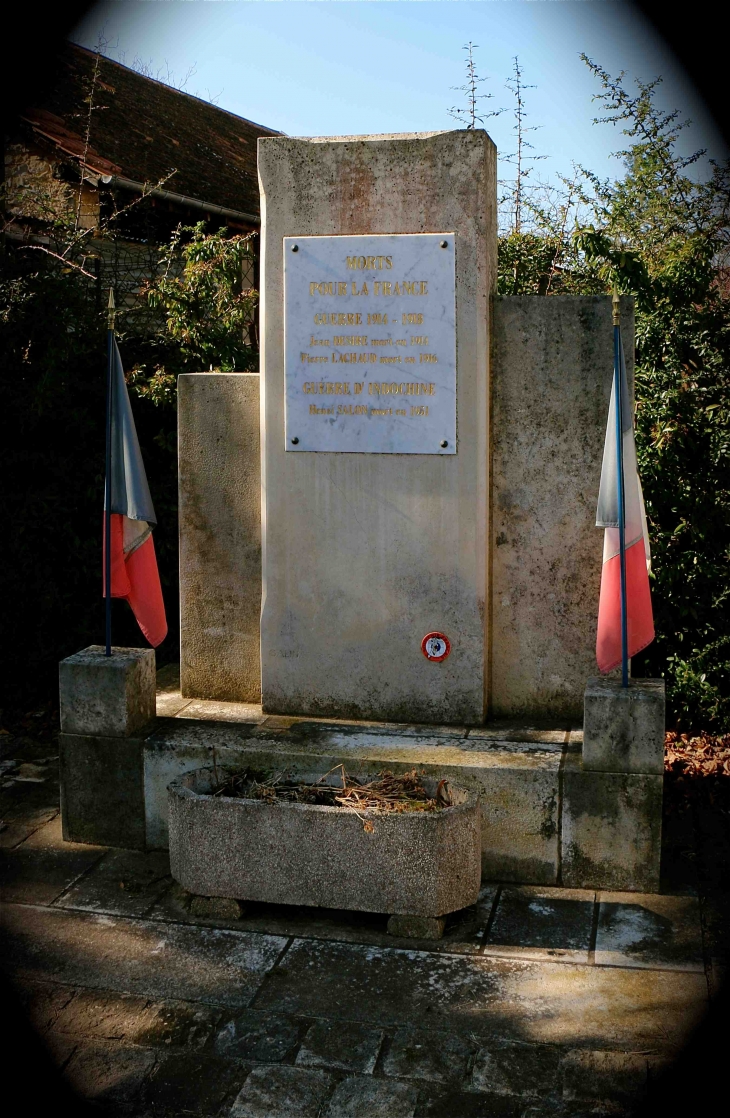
x: 108, y: 475
x: 618, y: 391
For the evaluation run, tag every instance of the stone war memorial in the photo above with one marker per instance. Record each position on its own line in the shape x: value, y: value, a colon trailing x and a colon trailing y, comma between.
x: 388, y: 562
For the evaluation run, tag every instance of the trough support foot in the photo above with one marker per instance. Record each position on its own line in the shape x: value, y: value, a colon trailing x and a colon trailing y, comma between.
x: 216, y: 908
x: 417, y: 927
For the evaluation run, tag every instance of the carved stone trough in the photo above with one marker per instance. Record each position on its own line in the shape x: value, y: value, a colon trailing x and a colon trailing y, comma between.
x: 415, y: 866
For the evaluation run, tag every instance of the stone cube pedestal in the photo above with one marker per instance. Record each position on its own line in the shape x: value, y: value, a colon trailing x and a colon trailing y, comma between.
x: 108, y: 696
x: 107, y: 709
x: 612, y: 794
x: 623, y: 727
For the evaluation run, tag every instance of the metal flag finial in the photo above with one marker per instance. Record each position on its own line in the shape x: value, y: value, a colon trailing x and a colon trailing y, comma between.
x: 616, y: 305
x: 111, y: 308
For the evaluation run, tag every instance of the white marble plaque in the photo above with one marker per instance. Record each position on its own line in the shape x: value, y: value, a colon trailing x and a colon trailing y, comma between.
x: 370, y: 343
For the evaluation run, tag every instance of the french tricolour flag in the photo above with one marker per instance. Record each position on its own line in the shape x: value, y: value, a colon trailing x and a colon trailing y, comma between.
x: 638, y: 557
x: 134, y: 573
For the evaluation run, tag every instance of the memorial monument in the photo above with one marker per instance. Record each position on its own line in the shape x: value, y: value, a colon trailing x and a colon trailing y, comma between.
x: 393, y: 526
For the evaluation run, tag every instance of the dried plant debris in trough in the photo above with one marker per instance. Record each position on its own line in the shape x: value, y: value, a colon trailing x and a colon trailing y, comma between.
x: 386, y: 794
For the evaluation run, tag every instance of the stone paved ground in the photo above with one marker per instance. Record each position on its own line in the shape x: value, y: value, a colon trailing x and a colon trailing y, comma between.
x: 538, y: 1001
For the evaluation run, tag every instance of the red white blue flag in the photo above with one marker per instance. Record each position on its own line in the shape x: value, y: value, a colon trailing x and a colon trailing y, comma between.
x: 134, y: 573
x: 638, y: 556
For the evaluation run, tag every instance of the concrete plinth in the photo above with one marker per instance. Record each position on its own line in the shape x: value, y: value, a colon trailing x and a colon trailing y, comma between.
x: 611, y: 828
x: 623, y: 728
x: 367, y: 553
x: 102, y: 790
x: 220, y: 535
x: 107, y: 696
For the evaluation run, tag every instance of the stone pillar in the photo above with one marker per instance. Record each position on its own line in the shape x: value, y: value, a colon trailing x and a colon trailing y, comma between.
x: 552, y: 368
x: 220, y: 536
x: 612, y: 794
x: 107, y: 709
x: 366, y: 553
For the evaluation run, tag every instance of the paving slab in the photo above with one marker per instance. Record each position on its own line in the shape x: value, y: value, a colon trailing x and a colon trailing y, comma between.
x: 19, y: 826
x: 224, y: 712
x: 108, y: 1015
x: 43, y: 1002
x: 199, y: 1084
x: 542, y: 923
x: 344, y: 1045
x: 361, y: 1097
x: 524, y: 1071
x: 444, y: 1102
x: 649, y: 930
x: 59, y: 1048
x: 604, y: 1076
x: 556, y: 1003
x: 138, y: 957
x: 123, y: 883
x: 171, y: 705
x: 436, y: 1056
x: 282, y: 1092
x: 111, y: 1075
x: 40, y: 869
x: 169, y: 698
x: 255, y: 1037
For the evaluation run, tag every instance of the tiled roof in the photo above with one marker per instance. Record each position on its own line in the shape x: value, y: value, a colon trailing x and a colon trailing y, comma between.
x: 142, y: 129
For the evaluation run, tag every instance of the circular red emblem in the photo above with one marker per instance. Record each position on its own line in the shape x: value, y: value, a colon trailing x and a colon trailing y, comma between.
x: 436, y: 646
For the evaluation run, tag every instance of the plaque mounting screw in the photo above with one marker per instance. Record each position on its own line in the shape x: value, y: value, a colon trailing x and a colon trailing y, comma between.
x: 295, y: 248
x: 295, y: 440
x: 443, y: 244
x: 444, y: 443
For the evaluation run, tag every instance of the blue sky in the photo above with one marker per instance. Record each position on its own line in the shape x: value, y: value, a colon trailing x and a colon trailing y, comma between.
x: 334, y: 67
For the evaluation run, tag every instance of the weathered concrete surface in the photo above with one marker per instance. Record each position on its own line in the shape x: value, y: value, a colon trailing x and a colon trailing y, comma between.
x: 649, y: 930
x: 365, y: 554
x: 611, y: 828
x: 509, y: 999
x: 539, y: 923
x: 551, y: 383
x: 415, y: 863
x: 139, y: 956
x: 220, y: 535
x: 350, y: 1047
x: 107, y: 696
x: 41, y: 869
x: 518, y: 782
x: 623, y: 727
x: 102, y: 790
x: 125, y: 882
